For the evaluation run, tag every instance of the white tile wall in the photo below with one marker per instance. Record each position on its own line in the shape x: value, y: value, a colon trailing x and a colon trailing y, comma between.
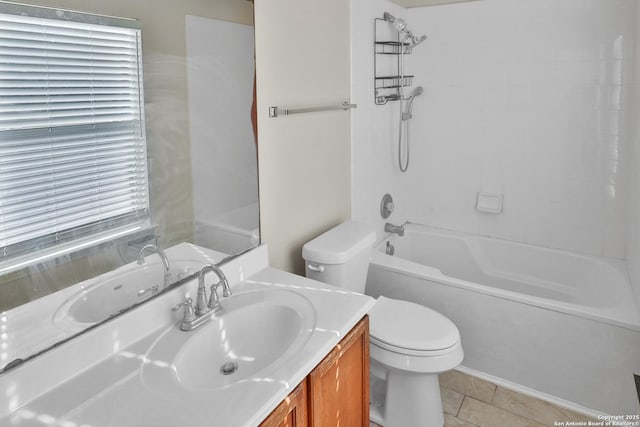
x: 526, y: 98
x: 633, y: 212
x: 372, y: 126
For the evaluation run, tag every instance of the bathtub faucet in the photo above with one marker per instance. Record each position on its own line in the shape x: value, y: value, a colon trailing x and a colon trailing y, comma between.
x: 395, y: 229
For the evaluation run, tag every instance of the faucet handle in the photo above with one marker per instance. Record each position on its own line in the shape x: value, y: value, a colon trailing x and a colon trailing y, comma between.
x: 152, y: 290
x: 214, y: 300
x: 189, y: 312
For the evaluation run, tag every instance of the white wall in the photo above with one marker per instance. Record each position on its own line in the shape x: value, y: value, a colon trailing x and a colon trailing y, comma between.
x: 220, y: 69
x: 526, y: 98
x: 302, y: 56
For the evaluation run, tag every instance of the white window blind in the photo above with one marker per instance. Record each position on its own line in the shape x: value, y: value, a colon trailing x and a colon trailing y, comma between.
x: 72, y: 141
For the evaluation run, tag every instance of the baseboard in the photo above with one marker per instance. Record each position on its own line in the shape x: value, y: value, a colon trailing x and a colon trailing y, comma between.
x: 531, y: 392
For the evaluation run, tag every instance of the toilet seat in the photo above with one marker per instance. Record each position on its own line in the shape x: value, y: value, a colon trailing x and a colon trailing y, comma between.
x: 408, y: 352
x: 411, y: 329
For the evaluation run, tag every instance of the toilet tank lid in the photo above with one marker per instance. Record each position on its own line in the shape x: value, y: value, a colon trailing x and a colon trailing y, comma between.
x: 340, y: 244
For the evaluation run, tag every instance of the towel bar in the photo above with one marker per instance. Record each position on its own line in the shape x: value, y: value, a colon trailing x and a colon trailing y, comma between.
x: 275, y: 111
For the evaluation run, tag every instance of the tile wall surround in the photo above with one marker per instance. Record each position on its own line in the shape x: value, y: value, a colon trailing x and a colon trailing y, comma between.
x: 220, y: 82
x: 633, y: 212
x: 374, y: 159
x: 528, y: 99
x: 531, y: 99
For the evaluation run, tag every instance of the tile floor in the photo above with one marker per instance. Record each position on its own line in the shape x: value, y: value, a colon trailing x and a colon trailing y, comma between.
x: 471, y: 402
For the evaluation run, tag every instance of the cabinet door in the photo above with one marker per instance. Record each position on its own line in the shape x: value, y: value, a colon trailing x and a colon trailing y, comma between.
x: 292, y: 412
x: 339, y: 386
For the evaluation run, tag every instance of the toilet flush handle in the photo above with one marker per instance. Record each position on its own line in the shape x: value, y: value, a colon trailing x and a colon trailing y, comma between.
x: 316, y: 268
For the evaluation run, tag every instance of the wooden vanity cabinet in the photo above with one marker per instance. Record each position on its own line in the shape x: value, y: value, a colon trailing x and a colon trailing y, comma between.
x: 336, y: 392
x: 339, y: 385
x: 292, y: 412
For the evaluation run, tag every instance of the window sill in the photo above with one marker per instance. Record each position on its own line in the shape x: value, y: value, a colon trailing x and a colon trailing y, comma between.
x: 25, y: 261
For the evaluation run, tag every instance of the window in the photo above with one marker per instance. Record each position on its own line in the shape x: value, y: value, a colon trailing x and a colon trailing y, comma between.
x: 72, y: 141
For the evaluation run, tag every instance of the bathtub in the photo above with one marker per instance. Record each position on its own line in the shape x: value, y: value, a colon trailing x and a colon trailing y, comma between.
x: 561, y: 326
x: 229, y: 232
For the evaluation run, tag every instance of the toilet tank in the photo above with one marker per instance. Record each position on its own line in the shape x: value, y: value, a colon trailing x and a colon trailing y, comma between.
x: 341, y: 255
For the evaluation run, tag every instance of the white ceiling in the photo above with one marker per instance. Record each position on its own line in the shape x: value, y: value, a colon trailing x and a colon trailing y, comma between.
x: 419, y: 3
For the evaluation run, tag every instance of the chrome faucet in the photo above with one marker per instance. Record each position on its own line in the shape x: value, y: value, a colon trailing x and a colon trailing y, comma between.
x: 202, y: 306
x: 163, y: 257
x: 204, y: 310
x: 395, y: 229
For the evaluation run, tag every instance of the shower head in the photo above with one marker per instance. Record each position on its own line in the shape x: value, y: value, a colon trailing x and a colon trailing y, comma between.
x: 392, y: 19
x: 401, y: 27
x: 398, y: 23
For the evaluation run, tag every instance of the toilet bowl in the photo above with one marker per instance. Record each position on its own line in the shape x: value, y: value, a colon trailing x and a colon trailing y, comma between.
x: 409, y: 344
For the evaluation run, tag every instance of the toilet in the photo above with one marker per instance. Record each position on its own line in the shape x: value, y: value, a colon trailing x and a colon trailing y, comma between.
x: 410, y: 344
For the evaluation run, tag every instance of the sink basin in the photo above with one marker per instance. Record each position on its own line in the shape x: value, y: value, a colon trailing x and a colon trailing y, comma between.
x: 113, y: 293
x: 251, y: 337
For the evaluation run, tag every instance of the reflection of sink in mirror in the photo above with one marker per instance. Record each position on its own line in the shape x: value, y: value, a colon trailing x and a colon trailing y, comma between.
x: 253, y: 334
x: 112, y: 294
x: 42, y: 323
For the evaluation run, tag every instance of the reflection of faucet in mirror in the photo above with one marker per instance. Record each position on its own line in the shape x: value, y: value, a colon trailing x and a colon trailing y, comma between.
x: 163, y: 257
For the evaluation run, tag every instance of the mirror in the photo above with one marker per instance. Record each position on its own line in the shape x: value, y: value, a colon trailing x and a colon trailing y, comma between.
x: 198, y: 62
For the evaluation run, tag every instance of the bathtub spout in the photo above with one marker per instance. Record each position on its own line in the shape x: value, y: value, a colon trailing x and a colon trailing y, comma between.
x: 395, y: 229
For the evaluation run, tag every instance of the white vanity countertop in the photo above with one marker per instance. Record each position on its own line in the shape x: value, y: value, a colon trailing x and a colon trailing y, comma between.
x: 111, y: 390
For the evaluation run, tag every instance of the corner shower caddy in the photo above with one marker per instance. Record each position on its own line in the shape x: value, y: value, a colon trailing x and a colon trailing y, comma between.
x: 389, y: 54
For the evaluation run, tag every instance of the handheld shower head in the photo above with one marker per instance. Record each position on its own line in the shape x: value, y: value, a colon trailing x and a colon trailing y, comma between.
x: 415, y: 92
x: 419, y: 90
